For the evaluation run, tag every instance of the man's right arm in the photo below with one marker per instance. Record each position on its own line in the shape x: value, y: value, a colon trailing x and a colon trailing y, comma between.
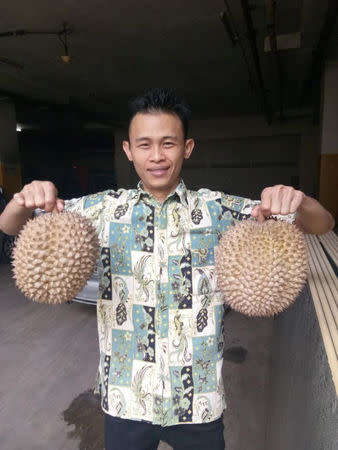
x: 38, y: 194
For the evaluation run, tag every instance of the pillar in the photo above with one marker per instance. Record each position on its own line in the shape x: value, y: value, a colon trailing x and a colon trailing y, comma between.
x: 10, y: 170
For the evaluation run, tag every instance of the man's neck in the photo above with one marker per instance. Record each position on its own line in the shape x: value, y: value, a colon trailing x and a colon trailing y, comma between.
x: 160, y: 195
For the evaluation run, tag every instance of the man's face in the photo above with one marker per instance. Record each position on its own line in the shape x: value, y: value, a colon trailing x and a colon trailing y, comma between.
x: 157, y: 148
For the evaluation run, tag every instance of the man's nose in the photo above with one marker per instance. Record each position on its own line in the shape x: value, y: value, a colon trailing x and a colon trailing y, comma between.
x: 157, y: 153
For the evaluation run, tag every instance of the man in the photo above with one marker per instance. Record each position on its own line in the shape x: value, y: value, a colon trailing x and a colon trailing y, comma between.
x: 160, y: 312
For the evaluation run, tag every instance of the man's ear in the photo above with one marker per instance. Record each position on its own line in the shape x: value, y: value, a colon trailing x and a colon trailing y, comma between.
x: 189, y: 147
x: 126, y: 148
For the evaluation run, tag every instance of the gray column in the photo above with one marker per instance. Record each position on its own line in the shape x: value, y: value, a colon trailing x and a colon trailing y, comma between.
x: 10, y: 170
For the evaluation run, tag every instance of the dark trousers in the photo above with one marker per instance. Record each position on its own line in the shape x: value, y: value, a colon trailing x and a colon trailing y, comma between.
x: 124, y: 434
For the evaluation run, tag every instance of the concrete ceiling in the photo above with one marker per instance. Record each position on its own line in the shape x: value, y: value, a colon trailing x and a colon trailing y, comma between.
x: 120, y: 48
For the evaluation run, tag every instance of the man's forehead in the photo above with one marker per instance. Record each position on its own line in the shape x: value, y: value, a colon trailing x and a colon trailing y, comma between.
x: 157, y: 124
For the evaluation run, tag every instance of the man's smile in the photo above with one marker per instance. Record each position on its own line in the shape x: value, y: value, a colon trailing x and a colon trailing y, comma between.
x: 158, y: 171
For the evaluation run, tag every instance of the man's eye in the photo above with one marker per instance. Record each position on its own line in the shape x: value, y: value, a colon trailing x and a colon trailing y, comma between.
x: 144, y: 145
x: 168, y: 144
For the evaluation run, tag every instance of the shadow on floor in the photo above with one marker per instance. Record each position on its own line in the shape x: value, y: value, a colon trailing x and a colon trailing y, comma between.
x: 85, y: 414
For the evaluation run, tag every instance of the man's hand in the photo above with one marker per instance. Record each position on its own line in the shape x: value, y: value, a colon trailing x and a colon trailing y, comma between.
x: 39, y: 194
x: 278, y: 199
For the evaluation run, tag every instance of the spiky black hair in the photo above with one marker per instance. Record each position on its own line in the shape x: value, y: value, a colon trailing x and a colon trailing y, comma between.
x: 161, y: 100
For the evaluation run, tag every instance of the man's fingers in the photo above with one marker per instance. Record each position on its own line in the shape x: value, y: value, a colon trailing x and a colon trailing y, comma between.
x: 296, y: 201
x: 280, y: 199
x: 49, y: 202
x: 28, y: 195
x: 266, y: 199
x: 285, y: 201
x: 277, y: 196
x: 39, y: 194
x: 49, y: 193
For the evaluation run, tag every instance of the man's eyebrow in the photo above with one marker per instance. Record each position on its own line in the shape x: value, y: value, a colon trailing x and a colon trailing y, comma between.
x: 173, y: 137
x: 146, y: 138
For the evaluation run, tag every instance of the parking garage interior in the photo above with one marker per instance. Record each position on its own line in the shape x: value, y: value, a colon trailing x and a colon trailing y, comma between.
x: 261, y: 78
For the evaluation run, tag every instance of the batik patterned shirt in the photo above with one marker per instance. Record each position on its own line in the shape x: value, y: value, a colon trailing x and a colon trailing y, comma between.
x: 159, y: 310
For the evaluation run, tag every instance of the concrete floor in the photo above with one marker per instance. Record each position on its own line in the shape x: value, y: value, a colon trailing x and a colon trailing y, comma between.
x: 49, y: 357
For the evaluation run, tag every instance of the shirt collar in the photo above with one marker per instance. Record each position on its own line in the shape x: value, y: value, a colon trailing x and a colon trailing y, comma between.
x: 180, y: 191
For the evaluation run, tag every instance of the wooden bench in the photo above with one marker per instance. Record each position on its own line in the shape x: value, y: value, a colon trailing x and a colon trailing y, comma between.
x: 330, y: 243
x: 323, y: 284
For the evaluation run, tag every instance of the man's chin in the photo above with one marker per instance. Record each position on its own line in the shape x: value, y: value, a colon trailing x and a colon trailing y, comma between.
x: 162, y: 184
x: 159, y: 181
x: 159, y: 184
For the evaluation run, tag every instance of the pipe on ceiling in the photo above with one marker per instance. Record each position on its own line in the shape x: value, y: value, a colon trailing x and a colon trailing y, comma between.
x: 270, y: 6
x: 254, y: 50
x: 232, y: 29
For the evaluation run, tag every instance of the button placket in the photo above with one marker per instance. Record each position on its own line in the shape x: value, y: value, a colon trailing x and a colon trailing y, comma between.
x: 161, y: 273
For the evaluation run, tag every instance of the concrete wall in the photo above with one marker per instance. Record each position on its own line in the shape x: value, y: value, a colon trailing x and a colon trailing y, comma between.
x: 303, y: 410
x: 241, y: 155
x: 330, y: 109
x: 244, y: 165
x: 329, y: 139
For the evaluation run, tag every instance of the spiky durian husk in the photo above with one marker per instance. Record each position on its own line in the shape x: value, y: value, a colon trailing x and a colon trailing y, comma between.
x: 261, y: 268
x: 54, y: 256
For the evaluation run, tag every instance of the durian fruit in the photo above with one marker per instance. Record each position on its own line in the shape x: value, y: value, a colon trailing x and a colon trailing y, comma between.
x: 261, y: 268
x: 54, y: 256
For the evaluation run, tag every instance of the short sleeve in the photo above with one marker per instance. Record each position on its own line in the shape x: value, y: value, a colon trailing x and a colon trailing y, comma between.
x: 240, y: 208
x: 232, y: 208
x: 90, y: 206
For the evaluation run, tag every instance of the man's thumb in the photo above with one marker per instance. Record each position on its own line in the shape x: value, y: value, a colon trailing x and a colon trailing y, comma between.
x: 257, y: 212
x: 19, y: 199
x: 60, y: 204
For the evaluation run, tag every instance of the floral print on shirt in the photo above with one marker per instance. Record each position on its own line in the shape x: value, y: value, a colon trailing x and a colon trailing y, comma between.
x: 160, y: 312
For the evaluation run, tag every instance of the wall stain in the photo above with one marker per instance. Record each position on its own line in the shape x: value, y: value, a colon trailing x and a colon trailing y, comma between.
x: 88, y: 419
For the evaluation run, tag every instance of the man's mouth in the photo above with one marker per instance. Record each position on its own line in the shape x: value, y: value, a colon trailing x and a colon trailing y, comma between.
x: 158, y: 171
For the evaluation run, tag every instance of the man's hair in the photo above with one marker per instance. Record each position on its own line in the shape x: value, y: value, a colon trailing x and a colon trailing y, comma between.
x: 164, y: 100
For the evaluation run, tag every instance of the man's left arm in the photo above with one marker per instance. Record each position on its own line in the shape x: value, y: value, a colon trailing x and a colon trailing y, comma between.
x: 311, y: 216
